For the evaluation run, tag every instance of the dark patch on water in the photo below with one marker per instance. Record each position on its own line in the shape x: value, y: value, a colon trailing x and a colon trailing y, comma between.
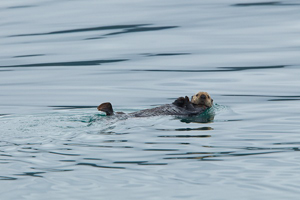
x: 114, y: 133
x: 276, y: 98
x: 188, y: 129
x: 287, y: 143
x: 64, y: 154
x: 6, y: 178
x: 126, y: 29
x: 53, y: 169
x: 98, y: 146
x: 263, y: 150
x: 67, y: 160
x: 254, y: 67
x: 32, y: 55
x: 129, y: 162
x: 202, y: 119
x: 17, y: 7
x: 7, y: 155
x: 205, y: 155
x: 153, y: 163
x: 180, y: 143
x: 94, y: 38
x: 160, y: 149
x: 166, y: 54
x: 6, y: 70
x: 249, y: 95
x: 99, y: 166
x: 192, y: 157
x: 271, y: 148
x: 33, y: 174
x: 252, y: 154
x: 72, y: 63
x: 114, y: 141
x: 100, y: 28
x: 270, y: 3
x: 142, y: 29
x: 283, y: 99
x: 70, y: 107
x: 185, y: 136
x: 134, y: 29
x: 219, y: 69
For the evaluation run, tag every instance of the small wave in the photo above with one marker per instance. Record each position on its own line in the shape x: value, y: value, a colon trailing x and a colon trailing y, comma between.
x: 71, y: 63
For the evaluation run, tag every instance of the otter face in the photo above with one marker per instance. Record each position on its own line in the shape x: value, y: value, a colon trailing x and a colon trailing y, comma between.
x: 202, y: 98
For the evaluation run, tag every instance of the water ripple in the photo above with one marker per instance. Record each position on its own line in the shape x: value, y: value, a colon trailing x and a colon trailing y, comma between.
x: 99, y: 166
x: 31, y: 55
x: 70, y: 107
x: 142, y: 29
x: 33, y: 174
x: 270, y: 97
x: 18, y: 7
x: 71, y: 63
x: 185, y: 136
x: 99, y: 28
x: 165, y: 54
x: 270, y: 3
x: 7, y: 178
x: 188, y: 129
x: 219, y: 69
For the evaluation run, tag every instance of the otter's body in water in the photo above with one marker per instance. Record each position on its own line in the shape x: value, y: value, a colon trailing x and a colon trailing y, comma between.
x: 168, y: 109
x: 181, y: 106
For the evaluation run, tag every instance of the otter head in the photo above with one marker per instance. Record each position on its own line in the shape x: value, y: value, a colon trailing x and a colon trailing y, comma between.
x: 202, y: 99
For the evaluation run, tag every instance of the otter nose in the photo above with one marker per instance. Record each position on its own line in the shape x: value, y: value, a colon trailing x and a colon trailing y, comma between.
x: 203, y: 96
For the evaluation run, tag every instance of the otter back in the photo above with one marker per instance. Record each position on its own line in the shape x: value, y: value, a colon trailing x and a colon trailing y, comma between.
x: 167, y: 109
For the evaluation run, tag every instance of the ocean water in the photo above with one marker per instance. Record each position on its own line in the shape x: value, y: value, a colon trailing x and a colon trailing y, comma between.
x: 60, y: 59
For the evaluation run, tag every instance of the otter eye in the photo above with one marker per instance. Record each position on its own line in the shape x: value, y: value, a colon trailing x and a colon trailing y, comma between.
x: 208, y: 97
x: 197, y: 95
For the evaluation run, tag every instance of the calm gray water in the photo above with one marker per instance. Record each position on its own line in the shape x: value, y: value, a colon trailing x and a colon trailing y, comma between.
x: 60, y: 59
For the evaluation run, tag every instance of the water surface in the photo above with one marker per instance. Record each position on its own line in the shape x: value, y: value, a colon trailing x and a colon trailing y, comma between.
x: 60, y: 59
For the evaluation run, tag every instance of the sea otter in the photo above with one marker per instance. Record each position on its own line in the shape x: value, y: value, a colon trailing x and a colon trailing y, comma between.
x: 181, y: 106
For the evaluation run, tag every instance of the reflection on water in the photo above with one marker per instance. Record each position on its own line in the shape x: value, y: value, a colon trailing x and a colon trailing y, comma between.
x: 99, y: 133
x: 73, y: 63
x: 189, y: 129
x: 86, y: 29
x: 166, y: 54
x: 219, y: 69
x: 81, y: 141
x: 125, y: 29
x: 271, y: 3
